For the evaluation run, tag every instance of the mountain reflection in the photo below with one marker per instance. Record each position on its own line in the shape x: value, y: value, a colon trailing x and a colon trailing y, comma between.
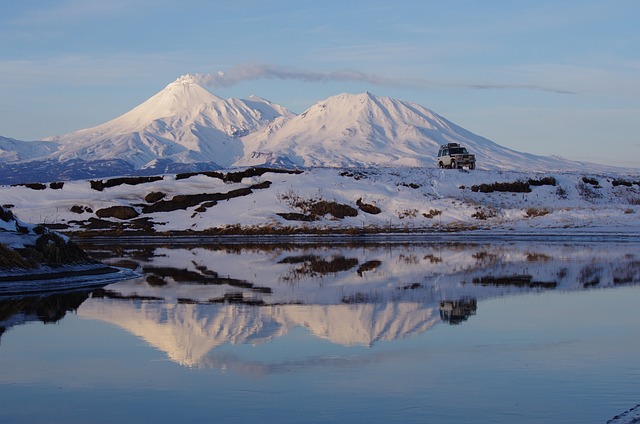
x: 196, y: 298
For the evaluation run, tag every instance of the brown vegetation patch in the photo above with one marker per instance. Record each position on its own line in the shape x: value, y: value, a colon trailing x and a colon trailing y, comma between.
x: 80, y: 209
x: 293, y: 216
x: 535, y: 212
x: 432, y: 213
x: 484, y: 213
x: 211, y: 174
x: 625, y: 183
x: 154, y: 196
x: 514, y: 187
x: 591, y: 181
x: 538, y: 257
x: 119, y: 212
x: 433, y: 259
x: 514, y: 280
x: 407, y: 213
x: 145, y: 225
x: 97, y: 224
x: 100, y: 185
x: 236, y: 177
x: 314, y: 209
x: 355, y: 175
x: 184, y: 201
x: 368, y: 266
x: 335, y: 209
x: 32, y: 186
x: 410, y: 185
x: 262, y: 185
x: 358, y: 298
x: 9, y: 258
x: 367, y: 207
x: 206, y: 205
x: 550, y: 181
x: 50, y: 249
x: 54, y: 250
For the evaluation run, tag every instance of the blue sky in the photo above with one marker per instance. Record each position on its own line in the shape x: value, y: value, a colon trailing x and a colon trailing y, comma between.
x: 551, y: 77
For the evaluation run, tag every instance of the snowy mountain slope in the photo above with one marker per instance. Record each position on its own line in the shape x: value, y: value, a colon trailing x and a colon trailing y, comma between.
x: 12, y: 150
x: 183, y: 122
x: 368, y: 130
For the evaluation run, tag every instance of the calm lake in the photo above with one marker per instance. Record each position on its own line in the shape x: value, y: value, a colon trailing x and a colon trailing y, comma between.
x: 344, y: 332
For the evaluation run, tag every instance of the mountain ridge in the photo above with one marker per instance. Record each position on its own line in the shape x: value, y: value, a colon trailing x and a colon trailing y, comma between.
x: 185, y: 126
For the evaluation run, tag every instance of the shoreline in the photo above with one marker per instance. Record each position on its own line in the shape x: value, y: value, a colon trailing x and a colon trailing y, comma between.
x: 66, y: 278
x: 551, y: 235
x: 69, y: 272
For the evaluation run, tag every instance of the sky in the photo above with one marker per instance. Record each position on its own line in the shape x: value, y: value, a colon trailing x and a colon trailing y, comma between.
x: 550, y: 77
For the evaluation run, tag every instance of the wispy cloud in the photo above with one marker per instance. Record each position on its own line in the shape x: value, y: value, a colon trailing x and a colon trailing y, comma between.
x: 518, y: 87
x: 255, y: 71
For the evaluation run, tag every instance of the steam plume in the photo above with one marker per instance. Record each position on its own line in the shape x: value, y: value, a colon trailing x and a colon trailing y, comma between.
x: 253, y: 71
x: 246, y: 72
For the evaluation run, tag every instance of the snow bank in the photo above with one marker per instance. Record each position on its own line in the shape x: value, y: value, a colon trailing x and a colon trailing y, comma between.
x: 409, y: 200
x: 34, y: 259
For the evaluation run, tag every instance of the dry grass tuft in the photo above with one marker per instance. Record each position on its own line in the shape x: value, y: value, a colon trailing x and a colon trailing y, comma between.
x: 432, y: 213
x: 535, y: 212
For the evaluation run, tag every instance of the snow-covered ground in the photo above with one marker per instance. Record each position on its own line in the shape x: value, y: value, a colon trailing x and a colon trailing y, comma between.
x: 34, y: 260
x: 373, y: 200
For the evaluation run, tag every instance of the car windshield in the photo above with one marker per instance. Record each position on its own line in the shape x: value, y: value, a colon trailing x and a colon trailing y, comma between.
x: 458, y: 151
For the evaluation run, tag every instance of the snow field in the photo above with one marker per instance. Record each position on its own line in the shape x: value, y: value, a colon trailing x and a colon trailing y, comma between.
x: 409, y: 199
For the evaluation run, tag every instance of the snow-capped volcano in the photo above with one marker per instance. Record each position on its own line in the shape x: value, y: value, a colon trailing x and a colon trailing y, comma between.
x: 185, y: 127
x: 184, y: 123
x: 365, y: 130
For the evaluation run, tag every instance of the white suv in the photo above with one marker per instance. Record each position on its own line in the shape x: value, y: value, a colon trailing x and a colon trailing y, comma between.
x: 454, y: 156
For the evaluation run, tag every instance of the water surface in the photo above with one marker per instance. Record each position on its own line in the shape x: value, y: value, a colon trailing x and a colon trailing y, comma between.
x: 507, y: 332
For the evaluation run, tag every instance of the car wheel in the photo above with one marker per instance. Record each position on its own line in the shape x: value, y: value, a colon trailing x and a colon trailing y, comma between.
x: 454, y: 165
